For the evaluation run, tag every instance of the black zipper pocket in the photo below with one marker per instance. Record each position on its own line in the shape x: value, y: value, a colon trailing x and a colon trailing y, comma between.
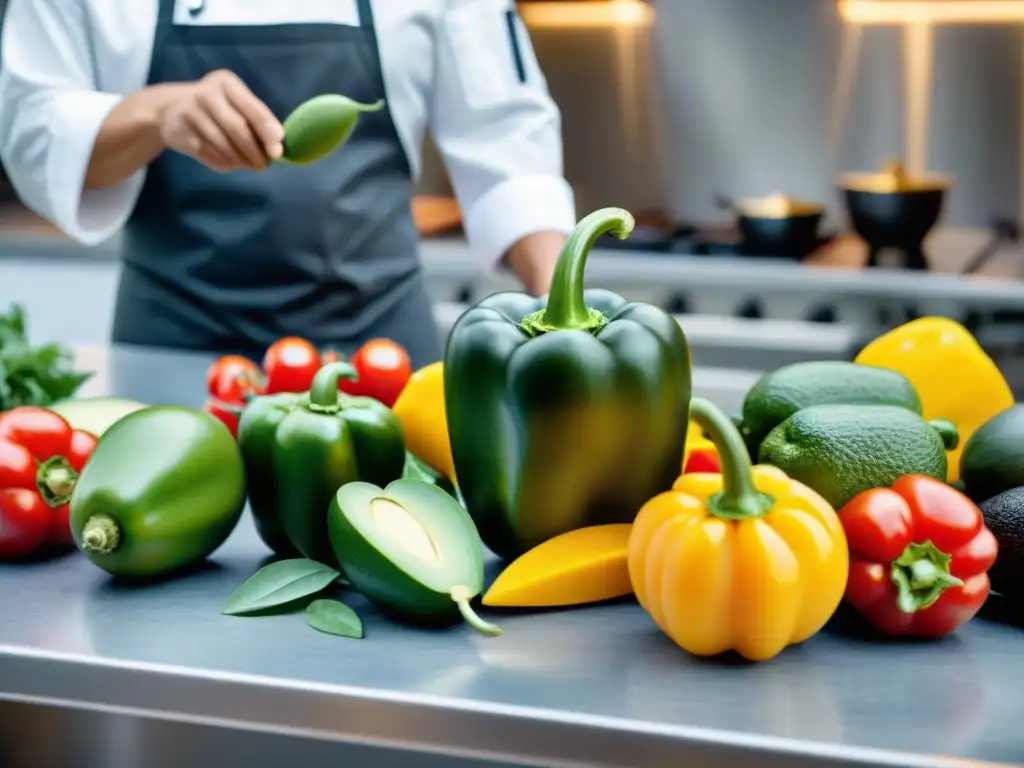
x: 511, y: 19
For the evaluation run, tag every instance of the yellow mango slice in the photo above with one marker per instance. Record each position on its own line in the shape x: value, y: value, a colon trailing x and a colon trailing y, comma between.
x: 587, y: 565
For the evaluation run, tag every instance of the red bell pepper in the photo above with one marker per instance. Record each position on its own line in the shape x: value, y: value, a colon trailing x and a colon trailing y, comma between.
x: 702, y: 460
x: 919, y: 556
x: 40, y: 458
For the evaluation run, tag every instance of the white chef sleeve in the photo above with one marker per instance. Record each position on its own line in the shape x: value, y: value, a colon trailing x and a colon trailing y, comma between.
x: 497, y: 127
x: 50, y: 114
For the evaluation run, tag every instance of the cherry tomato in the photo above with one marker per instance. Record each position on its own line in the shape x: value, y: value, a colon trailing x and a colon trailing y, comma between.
x: 227, y: 413
x: 234, y: 379
x: 290, y: 365
x: 383, y: 367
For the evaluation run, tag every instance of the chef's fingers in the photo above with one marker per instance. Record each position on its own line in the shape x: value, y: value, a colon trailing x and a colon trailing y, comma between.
x: 267, y: 127
x: 211, y: 158
x: 212, y: 141
x: 233, y: 125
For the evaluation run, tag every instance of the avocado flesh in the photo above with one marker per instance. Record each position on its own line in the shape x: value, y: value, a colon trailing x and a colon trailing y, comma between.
x: 779, y: 394
x: 993, y: 459
x: 842, y: 450
x: 410, y: 548
x: 1004, y: 516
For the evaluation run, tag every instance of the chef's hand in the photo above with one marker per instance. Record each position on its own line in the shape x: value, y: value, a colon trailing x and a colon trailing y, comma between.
x: 533, y: 260
x: 218, y: 121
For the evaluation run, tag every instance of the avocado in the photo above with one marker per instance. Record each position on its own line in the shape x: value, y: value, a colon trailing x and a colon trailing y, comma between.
x: 841, y: 450
x: 164, y: 488
x: 1004, y: 516
x: 410, y: 548
x: 779, y: 394
x: 993, y: 458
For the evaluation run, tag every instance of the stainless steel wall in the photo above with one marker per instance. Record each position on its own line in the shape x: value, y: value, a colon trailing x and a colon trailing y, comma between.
x: 735, y: 96
x: 749, y: 88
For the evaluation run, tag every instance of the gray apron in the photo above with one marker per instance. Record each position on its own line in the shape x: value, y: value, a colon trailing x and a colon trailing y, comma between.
x: 229, y: 263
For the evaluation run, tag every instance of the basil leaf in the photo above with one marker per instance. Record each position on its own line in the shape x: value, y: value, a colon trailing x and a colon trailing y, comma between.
x: 280, y: 583
x: 334, y: 618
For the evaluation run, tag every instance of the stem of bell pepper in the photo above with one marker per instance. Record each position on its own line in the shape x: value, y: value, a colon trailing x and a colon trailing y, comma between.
x: 739, y: 498
x: 323, y: 392
x: 566, y: 308
x: 921, y: 574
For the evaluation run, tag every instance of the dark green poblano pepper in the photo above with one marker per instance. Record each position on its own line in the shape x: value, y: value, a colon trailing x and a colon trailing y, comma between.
x: 568, y: 411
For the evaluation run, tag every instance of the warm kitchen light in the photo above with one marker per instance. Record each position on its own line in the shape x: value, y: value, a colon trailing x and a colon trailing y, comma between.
x: 932, y: 11
x: 587, y: 13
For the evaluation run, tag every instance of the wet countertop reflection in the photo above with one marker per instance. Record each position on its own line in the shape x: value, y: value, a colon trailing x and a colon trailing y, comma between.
x: 957, y: 698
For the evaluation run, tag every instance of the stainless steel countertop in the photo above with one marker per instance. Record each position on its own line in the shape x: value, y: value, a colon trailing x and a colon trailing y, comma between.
x: 593, y: 686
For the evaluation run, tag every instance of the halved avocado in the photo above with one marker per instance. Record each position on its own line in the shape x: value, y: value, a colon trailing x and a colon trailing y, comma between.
x: 410, y: 548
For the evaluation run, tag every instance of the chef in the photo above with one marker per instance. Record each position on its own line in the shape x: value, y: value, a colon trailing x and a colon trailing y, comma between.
x: 164, y: 117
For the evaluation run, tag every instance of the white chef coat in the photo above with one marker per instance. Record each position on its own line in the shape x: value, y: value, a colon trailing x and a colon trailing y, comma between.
x: 448, y: 65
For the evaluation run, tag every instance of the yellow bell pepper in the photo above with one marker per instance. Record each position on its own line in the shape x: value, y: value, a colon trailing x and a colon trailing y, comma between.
x: 748, y: 560
x: 420, y: 409
x: 953, y: 376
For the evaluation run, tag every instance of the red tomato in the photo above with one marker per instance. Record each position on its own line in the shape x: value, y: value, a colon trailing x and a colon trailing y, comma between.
x: 227, y: 413
x: 383, y: 367
x: 290, y: 365
x: 234, y: 379
x: 40, y: 459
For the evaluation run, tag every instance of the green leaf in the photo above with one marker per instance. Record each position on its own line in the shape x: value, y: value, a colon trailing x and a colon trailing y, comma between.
x: 334, y: 618
x: 33, y: 375
x: 279, y: 583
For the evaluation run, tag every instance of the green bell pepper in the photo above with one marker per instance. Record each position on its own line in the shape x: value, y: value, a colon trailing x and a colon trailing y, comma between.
x: 299, y: 449
x: 568, y: 412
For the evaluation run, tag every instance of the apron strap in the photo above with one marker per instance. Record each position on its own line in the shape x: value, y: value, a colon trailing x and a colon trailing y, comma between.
x: 365, y: 14
x: 165, y: 18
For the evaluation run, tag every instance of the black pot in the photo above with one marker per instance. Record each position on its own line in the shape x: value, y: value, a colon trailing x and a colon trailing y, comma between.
x: 791, y: 237
x: 889, y: 211
x: 776, y: 226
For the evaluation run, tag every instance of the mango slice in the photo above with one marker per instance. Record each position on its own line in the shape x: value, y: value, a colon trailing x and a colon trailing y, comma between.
x: 587, y: 565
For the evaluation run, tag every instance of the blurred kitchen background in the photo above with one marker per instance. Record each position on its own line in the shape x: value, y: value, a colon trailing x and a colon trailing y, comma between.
x: 730, y: 128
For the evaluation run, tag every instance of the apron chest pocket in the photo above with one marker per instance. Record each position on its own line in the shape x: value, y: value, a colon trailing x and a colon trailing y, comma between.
x: 492, y: 55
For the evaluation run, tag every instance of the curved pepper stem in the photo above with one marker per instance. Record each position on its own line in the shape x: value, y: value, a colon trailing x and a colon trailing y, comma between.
x: 739, y: 499
x: 948, y: 432
x: 323, y: 392
x: 921, y: 574
x: 566, y: 308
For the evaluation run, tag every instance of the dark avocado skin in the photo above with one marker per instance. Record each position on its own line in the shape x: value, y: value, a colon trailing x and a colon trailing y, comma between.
x: 1004, y: 516
x: 842, y: 450
x: 174, y: 481
x: 779, y: 394
x: 315, y: 454
x: 993, y: 458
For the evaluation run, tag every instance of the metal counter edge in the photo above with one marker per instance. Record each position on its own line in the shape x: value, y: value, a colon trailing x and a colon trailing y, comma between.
x: 456, y: 727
